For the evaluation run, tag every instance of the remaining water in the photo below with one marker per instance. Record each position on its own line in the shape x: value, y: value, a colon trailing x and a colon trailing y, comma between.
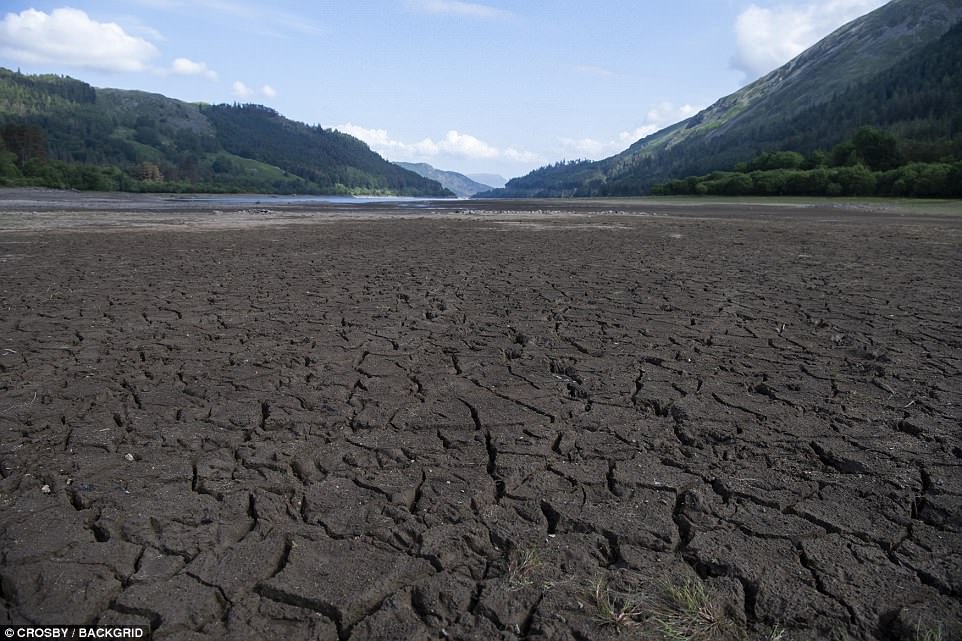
x: 271, y: 199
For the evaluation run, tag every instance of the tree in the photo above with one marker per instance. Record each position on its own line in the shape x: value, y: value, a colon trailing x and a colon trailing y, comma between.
x: 855, y: 181
x: 877, y: 149
x: 844, y: 155
x: 147, y: 171
x: 222, y: 165
x: 27, y: 142
x: 817, y: 158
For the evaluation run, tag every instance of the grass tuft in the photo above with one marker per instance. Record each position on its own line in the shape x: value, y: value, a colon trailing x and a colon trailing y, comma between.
x: 687, y: 612
x: 615, y: 608
x: 778, y: 633
x: 931, y: 633
x: 522, y: 568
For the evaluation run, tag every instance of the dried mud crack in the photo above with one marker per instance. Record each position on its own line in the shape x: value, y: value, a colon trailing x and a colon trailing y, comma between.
x: 440, y: 428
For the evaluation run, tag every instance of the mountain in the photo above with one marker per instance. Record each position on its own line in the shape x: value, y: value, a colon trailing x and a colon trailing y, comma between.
x: 460, y: 184
x: 325, y: 157
x: 878, y: 70
x: 61, y: 132
x: 494, y: 180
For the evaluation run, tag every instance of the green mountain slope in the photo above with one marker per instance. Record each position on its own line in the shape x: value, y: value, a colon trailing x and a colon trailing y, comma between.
x: 460, y: 184
x: 325, y: 157
x: 847, y: 80
x: 57, y: 131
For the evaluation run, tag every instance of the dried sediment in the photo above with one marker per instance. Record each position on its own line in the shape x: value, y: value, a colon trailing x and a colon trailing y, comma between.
x: 432, y: 428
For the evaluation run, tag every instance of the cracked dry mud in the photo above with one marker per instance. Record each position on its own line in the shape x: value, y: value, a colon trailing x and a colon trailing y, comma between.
x: 370, y: 429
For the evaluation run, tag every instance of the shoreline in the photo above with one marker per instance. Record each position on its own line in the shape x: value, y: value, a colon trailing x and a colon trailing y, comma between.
x: 27, y: 209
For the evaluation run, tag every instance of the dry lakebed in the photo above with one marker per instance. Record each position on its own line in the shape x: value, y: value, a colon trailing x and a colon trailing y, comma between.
x: 280, y: 419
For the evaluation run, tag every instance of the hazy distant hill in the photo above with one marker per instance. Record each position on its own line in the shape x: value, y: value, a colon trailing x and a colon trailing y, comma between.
x: 494, y: 180
x: 61, y: 132
x: 895, y: 68
x: 460, y: 184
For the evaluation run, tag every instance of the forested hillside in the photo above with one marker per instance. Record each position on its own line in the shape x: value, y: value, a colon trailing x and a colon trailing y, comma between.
x: 324, y: 157
x: 59, y: 132
x: 918, y: 101
x: 898, y: 68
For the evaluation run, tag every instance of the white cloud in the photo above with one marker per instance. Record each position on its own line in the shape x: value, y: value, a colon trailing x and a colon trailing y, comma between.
x: 458, y: 8
x: 459, y: 144
x: 768, y: 37
x: 520, y: 155
x: 136, y: 27
x: 69, y: 36
x: 187, y: 67
x: 658, y: 117
x: 589, y: 147
x: 454, y: 144
x: 241, y: 90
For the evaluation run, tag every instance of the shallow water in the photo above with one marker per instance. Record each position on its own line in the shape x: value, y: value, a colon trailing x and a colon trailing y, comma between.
x: 296, y: 199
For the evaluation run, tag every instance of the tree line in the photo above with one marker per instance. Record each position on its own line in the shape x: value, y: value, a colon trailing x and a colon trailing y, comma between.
x: 872, y: 163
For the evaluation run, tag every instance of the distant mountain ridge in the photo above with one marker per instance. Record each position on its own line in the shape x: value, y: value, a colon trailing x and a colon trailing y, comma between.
x: 785, y: 109
x: 460, y: 184
x: 495, y: 180
x: 58, y: 131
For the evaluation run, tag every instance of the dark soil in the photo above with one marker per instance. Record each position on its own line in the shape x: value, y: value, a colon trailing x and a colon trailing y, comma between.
x: 440, y: 427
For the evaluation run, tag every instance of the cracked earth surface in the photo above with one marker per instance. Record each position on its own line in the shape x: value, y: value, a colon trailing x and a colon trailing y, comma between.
x: 369, y: 429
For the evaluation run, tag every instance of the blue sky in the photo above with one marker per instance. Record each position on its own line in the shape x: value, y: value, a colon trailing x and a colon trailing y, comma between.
x: 492, y: 86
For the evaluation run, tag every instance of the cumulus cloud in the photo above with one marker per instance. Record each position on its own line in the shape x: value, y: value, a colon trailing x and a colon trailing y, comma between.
x: 187, y: 67
x: 241, y: 90
x: 520, y: 155
x: 70, y: 37
x: 453, y: 144
x: 768, y: 37
x: 658, y: 117
x: 380, y: 141
x: 466, y: 145
x: 457, y: 8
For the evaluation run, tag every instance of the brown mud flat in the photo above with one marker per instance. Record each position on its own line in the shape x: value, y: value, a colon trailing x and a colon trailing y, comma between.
x: 479, y: 422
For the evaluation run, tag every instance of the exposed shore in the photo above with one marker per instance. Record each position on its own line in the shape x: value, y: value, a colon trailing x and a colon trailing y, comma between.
x: 451, y: 419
